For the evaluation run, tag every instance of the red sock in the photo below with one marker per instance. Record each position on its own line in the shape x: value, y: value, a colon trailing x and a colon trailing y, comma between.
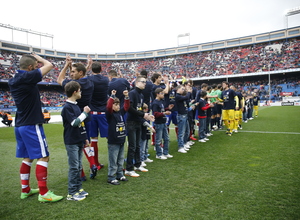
x: 94, y: 143
x: 89, y: 156
x: 153, y: 138
x: 41, y: 173
x: 25, y: 175
x: 82, y: 173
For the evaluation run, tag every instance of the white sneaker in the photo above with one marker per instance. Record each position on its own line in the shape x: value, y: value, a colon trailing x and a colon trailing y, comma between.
x: 76, y: 197
x: 168, y: 156
x: 131, y: 173
x: 206, y: 139
x: 190, y: 143
x: 181, y: 150
x: 235, y: 131
x: 215, y: 127
x: 142, y: 169
x: 186, y: 147
x: 209, y: 134
x: 202, y: 140
x: 148, y: 160
x: 162, y: 157
x: 143, y: 164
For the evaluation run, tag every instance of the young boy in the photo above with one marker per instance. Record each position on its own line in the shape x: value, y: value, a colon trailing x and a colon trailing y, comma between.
x: 75, y: 138
x: 202, y: 114
x: 116, y: 136
x: 182, y: 100
x: 161, y: 132
x: 145, y: 136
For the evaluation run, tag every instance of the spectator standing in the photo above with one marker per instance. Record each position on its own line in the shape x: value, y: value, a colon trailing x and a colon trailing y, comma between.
x: 47, y: 116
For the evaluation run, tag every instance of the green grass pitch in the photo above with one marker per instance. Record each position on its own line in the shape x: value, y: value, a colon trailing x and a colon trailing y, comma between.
x: 252, y: 175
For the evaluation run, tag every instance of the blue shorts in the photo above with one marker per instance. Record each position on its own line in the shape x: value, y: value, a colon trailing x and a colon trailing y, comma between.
x: 98, y: 124
x: 31, y: 142
x: 172, y: 117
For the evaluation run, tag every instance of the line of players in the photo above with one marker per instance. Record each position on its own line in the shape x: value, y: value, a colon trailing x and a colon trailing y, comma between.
x: 170, y: 101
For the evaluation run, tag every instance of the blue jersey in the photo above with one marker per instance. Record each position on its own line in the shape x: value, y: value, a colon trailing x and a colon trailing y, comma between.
x: 182, y: 103
x: 24, y: 90
x: 147, y: 92
x: 240, y: 96
x: 157, y: 109
x: 87, y: 88
x: 118, y: 84
x: 228, y: 98
x: 72, y: 135
x: 116, y: 124
x: 135, y: 112
x: 100, y: 96
x: 255, y: 100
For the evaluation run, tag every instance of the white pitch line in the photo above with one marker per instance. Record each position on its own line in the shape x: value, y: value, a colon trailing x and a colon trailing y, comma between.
x: 267, y: 132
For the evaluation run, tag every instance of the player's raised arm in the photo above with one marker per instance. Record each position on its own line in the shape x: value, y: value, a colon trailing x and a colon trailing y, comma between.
x: 47, y: 66
x: 62, y: 74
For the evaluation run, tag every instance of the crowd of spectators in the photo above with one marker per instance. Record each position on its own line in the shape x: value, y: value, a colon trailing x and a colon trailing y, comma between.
x: 277, y: 55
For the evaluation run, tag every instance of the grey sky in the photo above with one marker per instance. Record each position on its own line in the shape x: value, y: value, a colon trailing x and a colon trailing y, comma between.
x: 135, y: 25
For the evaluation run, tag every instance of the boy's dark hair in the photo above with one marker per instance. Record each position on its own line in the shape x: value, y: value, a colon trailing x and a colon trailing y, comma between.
x: 144, y: 73
x: 116, y: 100
x: 214, y: 86
x: 27, y: 60
x: 80, y: 67
x: 203, y: 85
x: 155, y: 76
x: 203, y: 93
x: 220, y: 87
x: 71, y: 87
x: 113, y: 73
x: 225, y: 82
x: 158, y: 90
x: 96, y: 67
x: 190, y: 82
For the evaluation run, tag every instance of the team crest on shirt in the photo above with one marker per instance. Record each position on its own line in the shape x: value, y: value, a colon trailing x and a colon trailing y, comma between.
x: 120, y: 127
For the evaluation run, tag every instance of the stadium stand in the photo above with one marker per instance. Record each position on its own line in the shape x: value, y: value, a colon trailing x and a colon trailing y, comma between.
x: 257, y: 58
